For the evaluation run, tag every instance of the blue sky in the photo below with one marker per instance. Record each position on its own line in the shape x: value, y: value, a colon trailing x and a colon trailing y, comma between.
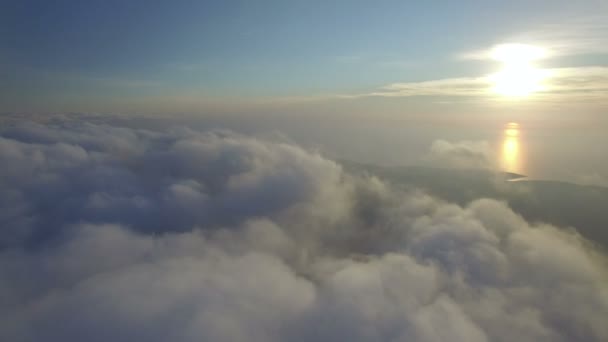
x: 78, y: 55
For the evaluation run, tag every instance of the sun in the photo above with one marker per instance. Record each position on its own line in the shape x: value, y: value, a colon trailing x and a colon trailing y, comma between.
x: 518, y: 81
x: 518, y: 76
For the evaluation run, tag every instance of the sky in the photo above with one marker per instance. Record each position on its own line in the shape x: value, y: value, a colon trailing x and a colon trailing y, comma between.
x: 229, y: 56
x: 303, y: 171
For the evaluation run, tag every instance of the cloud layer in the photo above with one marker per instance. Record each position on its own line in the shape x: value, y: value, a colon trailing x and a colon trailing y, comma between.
x: 112, y: 233
x: 462, y: 154
x: 561, y: 85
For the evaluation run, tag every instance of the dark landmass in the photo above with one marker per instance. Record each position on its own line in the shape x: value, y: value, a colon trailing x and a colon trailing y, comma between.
x: 559, y: 203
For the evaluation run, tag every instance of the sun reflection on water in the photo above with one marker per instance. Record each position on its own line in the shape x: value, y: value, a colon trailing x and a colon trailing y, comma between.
x: 511, y: 159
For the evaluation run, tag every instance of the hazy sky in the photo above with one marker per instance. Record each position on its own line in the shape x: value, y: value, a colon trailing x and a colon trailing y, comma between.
x: 303, y: 171
x: 200, y: 56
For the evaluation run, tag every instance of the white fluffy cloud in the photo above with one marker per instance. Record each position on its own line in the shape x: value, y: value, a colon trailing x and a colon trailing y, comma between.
x: 111, y: 233
x: 462, y: 154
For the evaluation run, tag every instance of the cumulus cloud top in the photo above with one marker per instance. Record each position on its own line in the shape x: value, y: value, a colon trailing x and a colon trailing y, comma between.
x: 462, y: 154
x: 111, y: 233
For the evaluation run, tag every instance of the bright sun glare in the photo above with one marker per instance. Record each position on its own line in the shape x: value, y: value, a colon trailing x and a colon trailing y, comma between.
x: 518, y: 76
